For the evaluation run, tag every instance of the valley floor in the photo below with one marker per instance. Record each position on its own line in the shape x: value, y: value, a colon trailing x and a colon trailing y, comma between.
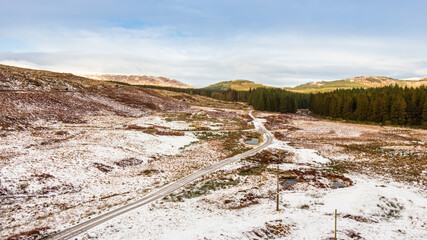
x: 374, y: 176
x: 56, y: 175
x: 238, y: 202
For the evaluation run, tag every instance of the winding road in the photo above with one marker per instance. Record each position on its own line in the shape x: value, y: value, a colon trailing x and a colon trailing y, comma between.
x: 166, y: 190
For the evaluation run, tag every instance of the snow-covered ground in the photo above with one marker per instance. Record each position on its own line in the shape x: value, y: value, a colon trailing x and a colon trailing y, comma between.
x: 91, y: 170
x: 60, y: 174
x: 369, y: 209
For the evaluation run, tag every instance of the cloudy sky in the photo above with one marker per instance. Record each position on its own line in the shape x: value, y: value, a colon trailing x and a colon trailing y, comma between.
x: 275, y: 42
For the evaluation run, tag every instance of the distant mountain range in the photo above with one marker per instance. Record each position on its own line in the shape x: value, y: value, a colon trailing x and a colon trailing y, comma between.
x: 324, y: 86
x: 14, y: 78
x: 356, y: 82
x: 140, y: 80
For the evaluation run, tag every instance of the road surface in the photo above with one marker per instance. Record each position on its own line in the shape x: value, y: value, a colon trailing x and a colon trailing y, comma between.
x: 166, y: 190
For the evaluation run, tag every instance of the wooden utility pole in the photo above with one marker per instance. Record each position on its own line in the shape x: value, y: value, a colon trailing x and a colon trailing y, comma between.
x: 335, y: 225
x: 277, y: 203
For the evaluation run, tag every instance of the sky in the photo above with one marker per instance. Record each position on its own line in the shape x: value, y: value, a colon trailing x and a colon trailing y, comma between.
x: 199, y: 42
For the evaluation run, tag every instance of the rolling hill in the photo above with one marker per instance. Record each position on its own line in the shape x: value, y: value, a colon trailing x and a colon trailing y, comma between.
x: 23, y: 79
x: 29, y: 97
x: 323, y: 86
x: 140, y: 80
x: 356, y: 82
x: 239, y: 85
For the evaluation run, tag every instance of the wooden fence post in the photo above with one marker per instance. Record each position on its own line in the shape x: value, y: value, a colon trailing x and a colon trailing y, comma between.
x: 335, y: 225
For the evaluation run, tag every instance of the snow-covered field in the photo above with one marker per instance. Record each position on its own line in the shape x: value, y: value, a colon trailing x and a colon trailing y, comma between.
x: 56, y: 175
x: 238, y: 202
x: 368, y: 209
x: 59, y: 176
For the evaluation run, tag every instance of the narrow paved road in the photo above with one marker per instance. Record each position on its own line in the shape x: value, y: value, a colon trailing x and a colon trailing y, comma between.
x: 166, y: 190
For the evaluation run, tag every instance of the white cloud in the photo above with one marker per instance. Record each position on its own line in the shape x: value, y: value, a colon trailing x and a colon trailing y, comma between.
x: 279, y: 59
x: 20, y: 63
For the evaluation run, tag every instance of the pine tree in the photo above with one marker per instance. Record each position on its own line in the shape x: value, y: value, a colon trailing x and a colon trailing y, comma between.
x: 425, y: 112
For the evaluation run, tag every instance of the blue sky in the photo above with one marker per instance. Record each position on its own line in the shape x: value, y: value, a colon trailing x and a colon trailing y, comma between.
x: 280, y: 43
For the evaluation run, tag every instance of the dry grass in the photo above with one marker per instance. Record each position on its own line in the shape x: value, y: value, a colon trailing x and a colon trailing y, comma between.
x: 399, y: 153
x: 271, y: 156
x: 198, y: 100
x: 232, y: 143
x: 70, y: 107
x: 37, y: 233
x: 15, y: 78
x: 202, y: 188
x: 155, y: 130
x: 202, y: 120
x: 275, y: 122
x: 272, y: 230
x: 129, y: 162
x: 103, y: 167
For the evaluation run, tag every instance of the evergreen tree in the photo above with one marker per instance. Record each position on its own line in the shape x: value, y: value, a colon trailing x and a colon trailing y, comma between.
x: 425, y: 112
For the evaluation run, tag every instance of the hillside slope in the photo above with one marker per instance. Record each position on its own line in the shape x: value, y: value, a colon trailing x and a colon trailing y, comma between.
x: 140, y: 80
x: 15, y: 78
x: 239, y: 85
x: 356, y: 82
x: 28, y: 98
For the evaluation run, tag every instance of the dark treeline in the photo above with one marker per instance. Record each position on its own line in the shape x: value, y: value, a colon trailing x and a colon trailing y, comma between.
x: 277, y: 100
x: 386, y: 105
x: 265, y: 99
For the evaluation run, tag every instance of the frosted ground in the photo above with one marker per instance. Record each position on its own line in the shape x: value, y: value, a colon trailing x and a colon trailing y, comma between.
x: 241, y: 205
x: 56, y: 174
x: 123, y: 159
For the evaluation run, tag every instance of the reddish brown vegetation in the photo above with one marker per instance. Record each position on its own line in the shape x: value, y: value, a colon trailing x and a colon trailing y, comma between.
x: 360, y: 218
x: 349, y: 233
x: 14, y: 78
x: 273, y: 156
x: 149, y: 172
x: 218, y: 113
x: 141, y: 98
x: 27, y: 96
x: 22, y: 109
x: 317, y: 177
x: 271, y: 230
x: 283, y: 136
x: 59, y: 189
x: 43, y: 177
x: 247, y: 200
x: 36, y: 233
x: 61, y: 133
x: 169, y: 133
x: 277, y: 122
x: 103, y: 168
x: 158, y: 130
x: 4, y: 192
x: 127, y: 162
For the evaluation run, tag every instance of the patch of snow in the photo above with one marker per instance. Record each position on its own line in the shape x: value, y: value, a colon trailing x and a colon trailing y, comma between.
x: 159, y: 121
x: 306, y: 156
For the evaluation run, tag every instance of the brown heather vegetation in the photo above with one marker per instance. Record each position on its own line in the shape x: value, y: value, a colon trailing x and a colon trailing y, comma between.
x: 275, y: 122
x: 34, y: 234
x: 271, y: 230
x: 155, y: 130
x: 273, y: 156
x: 399, y: 153
x: 27, y: 96
x: 315, y: 177
x: 128, y: 162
